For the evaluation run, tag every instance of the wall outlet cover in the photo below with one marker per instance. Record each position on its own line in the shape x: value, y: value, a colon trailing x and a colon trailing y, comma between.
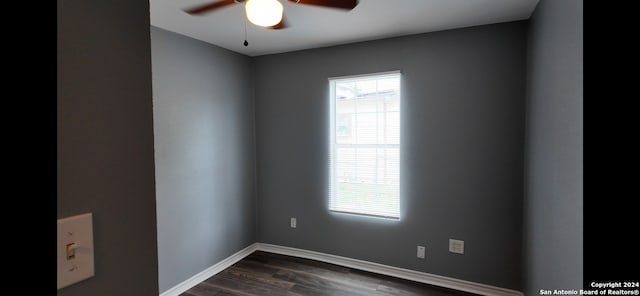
x: 294, y: 223
x: 456, y: 246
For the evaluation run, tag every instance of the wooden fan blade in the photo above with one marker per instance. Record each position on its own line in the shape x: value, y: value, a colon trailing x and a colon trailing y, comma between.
x: 281, y: 25
x: 342, y: 4
x: 209, y: 7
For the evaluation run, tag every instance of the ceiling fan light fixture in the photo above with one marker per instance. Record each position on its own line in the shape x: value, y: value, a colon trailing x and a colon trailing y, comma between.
x: 264, y: 13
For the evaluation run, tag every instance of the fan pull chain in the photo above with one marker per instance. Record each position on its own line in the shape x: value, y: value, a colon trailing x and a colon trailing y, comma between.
x: 245, y: 33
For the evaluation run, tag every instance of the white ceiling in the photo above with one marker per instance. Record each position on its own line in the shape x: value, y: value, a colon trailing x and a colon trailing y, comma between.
x: 312, y: 26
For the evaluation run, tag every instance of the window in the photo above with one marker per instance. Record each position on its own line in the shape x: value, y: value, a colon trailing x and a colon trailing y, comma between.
x: 364, y: 147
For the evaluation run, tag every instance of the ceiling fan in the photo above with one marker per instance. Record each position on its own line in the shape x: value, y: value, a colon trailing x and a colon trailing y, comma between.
x: 269, y: 13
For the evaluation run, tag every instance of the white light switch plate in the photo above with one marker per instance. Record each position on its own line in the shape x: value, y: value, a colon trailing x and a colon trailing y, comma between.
x: 421, y: 252
x: 294, y: 223
x: 76, y: 230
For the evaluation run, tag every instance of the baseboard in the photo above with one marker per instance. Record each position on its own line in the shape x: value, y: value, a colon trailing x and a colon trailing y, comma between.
x: 402, y: 273
x: 209, y: 272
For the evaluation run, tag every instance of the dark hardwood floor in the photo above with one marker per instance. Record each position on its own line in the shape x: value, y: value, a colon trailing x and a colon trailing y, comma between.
x: 263, y: 273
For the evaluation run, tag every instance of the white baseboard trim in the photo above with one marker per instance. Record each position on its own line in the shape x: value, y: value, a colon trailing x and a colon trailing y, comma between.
x: 412, y: 275
x: 209, y: 272
x: 402, y: 273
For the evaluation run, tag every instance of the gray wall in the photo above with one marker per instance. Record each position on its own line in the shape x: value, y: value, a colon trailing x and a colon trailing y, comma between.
x: 204, y: 141
x: 554, y: 196
x: 462, y: 157
x: 105, y: 140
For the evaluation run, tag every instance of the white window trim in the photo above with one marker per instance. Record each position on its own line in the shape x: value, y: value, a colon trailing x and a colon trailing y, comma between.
x: 332, y: 122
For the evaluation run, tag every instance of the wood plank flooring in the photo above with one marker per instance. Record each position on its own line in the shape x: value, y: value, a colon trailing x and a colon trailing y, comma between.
x: 263, y: 273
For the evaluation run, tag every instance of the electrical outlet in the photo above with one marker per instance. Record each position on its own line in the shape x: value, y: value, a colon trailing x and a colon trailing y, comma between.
x: 421, y: 252
x: 456, y: 246
x: 293, y: 223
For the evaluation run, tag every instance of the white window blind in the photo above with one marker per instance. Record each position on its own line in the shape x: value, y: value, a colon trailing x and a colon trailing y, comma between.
x: 365, y: 145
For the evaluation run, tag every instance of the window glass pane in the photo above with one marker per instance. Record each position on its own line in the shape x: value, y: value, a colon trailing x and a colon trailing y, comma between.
x: 392, y: 128
x: 345, y: 91
x: 365, y: 87
x: 344, y: 129
x: 392, y: 103
x: 346, y: 165
x: 366, y: 128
